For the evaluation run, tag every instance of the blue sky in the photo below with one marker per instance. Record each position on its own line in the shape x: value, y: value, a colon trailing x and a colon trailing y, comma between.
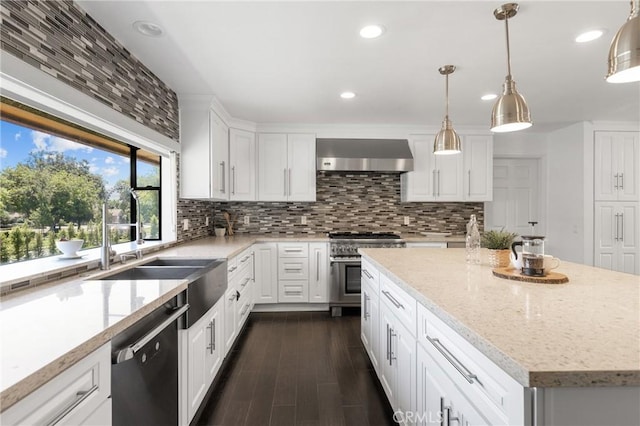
x: 16, y: 142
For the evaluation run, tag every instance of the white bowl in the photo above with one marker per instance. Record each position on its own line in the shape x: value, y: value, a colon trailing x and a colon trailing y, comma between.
x: 69, y: 248
x: 220, y: 232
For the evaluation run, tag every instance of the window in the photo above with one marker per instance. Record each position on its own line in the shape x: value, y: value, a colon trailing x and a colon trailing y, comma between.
x: 54, y: 177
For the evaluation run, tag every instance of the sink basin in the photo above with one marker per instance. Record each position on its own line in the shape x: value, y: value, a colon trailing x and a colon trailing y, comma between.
x: 176, y: 261
x: 153, y: 273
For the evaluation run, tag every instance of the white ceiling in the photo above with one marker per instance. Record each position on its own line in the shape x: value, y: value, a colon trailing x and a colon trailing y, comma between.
x: 287, y: 62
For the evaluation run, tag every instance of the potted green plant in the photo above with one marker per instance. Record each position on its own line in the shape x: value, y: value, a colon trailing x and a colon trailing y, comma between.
x: 499, y: 245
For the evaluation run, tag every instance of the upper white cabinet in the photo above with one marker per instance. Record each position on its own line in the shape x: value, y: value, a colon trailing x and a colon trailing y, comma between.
x: 286, y: 167
x: 477, y: 153
x: 617, y: 160
x: 465, y: 177
x: 204, y: 141
x: 242, y: 165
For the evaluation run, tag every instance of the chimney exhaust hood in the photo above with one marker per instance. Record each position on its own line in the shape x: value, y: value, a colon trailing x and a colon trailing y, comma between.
x: 380, y: 155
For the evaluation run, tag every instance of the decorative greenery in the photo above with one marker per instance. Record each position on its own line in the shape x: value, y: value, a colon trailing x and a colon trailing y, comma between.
x: 498, y: 240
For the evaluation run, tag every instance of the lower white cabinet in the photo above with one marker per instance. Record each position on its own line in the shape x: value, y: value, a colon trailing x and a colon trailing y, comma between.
x: 265, y: 288
x: 78, y: 396
x: 370, y: 313
x: 319, y: 273
x: 204, y: 353
x: 617, y: 237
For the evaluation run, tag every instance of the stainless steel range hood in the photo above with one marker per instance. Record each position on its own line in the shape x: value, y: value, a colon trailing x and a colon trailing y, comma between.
x: 380, y: 155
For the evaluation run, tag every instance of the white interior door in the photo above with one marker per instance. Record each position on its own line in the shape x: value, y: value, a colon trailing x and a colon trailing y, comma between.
x: 516, y: 199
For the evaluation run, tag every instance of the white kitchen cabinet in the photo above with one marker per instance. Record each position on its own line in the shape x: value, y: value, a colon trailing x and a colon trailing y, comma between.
x: 242, y: 165
x: 477, y: 152
x: 286, y: 167
x: 205, y: 352
x: 230, y: 322
x: 458, y: 177
x: 617, y: 166
x: 370, y: 311
x: 265, y: 288
x: 318, y: 273
x: 77, y: 396
x: 204, y: 144
x: 616, y: 234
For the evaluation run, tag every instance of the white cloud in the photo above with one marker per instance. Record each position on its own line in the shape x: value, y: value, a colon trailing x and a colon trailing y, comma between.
x: 109, y: 160
x: 17, y: 136
x: 3, y: 153
x: 126, y: 160
x: 110, y: 171
x: 93, y: 168
x: 46, y: 142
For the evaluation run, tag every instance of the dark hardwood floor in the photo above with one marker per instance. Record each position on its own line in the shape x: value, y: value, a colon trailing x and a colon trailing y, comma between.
x: 298, y: 368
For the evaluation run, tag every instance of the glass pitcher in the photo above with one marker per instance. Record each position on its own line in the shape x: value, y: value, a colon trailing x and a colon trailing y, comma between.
x: 532, y: 255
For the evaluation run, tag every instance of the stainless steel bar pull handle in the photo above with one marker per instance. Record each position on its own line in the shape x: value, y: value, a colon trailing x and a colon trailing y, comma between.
x: 317, y: 265
x: 438, y: 183
x: 366, y: 311
x: 621, y: 181
x: 433, y: 185
x: 387, y: 342
x: 617, y: 236
x: 469, y: 186
x: 469, y: 377
x: 364, y: 271
x: 391, y: 336
x: 393, y: 299
x: 621, y: 226
x: 80, y: 397
x: 211, y: 336
x: 233, y: 180
x: 615, y: 185
x: 289, y: 182
x: 285, y: 182
x: 222, y: 178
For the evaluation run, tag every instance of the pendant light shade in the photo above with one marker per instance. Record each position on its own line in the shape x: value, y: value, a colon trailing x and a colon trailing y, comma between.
x: 624, y: 53
x: 510, y: 112
x: 447, y: 140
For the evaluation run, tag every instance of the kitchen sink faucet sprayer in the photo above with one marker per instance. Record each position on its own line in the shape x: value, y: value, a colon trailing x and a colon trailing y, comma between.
x: 106, y: 251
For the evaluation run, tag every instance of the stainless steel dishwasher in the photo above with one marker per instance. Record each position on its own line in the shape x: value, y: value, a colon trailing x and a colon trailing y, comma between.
x: 144, y: 374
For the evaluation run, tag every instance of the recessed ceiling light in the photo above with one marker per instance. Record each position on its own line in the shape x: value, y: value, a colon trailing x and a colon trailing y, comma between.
x: 489, y: 96
x: 347, y: 95
x: 371, y: 31
x: 148, y: 28
x: 589, y: 36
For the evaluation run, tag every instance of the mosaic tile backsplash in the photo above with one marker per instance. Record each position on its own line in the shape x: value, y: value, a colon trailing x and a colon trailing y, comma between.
x: 60, y: 39
x: 348, y: 201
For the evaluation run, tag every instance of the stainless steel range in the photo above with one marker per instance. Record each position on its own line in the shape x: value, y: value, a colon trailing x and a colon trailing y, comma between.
x: 345, y: 264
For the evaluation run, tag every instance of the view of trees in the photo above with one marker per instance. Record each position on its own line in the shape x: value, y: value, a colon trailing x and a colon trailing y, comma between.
x: 52, y: 196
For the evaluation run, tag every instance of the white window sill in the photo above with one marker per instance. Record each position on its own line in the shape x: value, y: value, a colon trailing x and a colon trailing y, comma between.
x: 33, y: 272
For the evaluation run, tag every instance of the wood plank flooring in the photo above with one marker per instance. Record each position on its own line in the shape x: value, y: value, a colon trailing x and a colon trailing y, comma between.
x: 298, y: 368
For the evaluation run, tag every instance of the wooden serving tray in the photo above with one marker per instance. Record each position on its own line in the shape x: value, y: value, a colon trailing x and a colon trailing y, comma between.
x: 516, y: 275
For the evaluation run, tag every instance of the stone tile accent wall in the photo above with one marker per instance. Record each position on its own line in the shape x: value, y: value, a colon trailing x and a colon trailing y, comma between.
x: 348, y: 201
x: 60, y: 39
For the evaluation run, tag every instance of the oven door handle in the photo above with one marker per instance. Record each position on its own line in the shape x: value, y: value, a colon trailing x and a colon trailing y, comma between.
x: 338, y: 260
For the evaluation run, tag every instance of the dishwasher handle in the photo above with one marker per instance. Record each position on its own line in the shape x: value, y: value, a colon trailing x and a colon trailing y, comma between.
x: 127, y: 353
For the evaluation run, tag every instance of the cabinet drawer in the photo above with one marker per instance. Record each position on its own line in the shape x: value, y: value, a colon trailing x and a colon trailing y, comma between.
x: 293, y: 269
x: 232, y: 267
x: 371, y: 275
x: 293, y: 291
x: 494, y: 393
x: 293, y: 250
x: 401, y: 304
x: 243, y: 281
x: 69, y: 398
x: 244, y: 261
x: 243, y: 306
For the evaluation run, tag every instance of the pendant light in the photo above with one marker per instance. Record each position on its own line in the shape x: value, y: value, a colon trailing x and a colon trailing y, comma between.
x: 624, y: 53
x: 447, y: 140
x: 510, y: 112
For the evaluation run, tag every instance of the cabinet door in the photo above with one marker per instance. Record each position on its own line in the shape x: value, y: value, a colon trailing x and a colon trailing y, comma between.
x: 605, y: 236
x: 242, y: 158
x: 387, y: 373
x: 198, y: 336
x: 318, y: 273
x: 301, y: 168
x: 219, y: 167
x: 629, y: 246
x: 429, y: 393
x: 616, y: 172
x: 369, y: 333
x: 418, y: 185
x: 215, y: 344
x: 266, y: 273
x: 628, y: 166
x: 272, y: 167
x: 448, y: 175
x: 195, y: 153
x: 229, y: 318
x: 477, y: 154
x: 403, y: 349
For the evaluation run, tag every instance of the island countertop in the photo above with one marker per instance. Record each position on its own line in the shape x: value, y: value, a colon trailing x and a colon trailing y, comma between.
x: 582, y: 333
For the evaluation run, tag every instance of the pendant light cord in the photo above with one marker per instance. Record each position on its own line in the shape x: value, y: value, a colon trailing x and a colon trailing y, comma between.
x: 446, y: 92
x: 506, y: 24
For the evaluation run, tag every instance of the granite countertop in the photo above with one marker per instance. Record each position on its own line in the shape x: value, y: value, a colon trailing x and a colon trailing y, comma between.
x: 582, y: 333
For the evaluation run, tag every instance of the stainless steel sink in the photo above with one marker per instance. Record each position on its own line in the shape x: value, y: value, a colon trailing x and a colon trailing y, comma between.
x: 177, y: 261
x: 154, y: 273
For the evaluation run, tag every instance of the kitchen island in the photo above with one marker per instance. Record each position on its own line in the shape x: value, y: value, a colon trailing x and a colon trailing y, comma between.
x: 577, y: 342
